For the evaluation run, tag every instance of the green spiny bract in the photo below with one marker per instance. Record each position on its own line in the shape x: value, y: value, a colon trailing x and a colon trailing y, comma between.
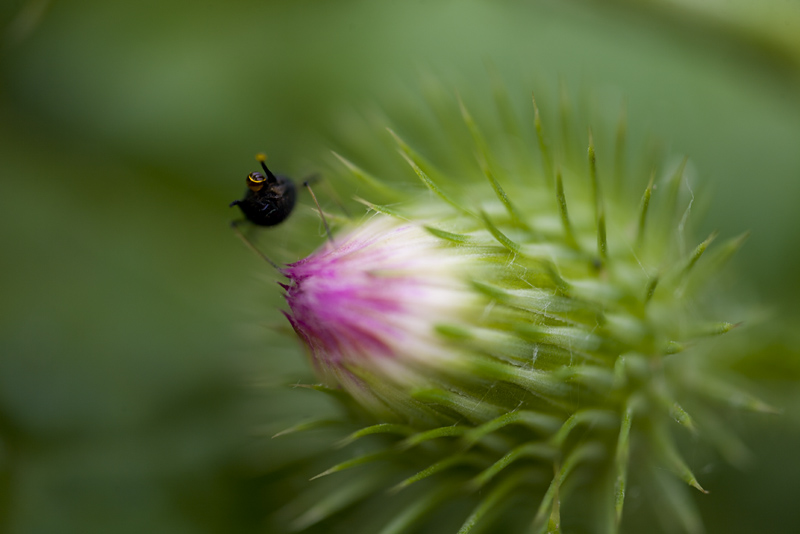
x: 555, y: 346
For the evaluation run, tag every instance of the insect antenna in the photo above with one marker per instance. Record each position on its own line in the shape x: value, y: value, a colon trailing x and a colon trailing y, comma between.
x: 262, y: 159
x: 251, y: 246
x: 307, y: 185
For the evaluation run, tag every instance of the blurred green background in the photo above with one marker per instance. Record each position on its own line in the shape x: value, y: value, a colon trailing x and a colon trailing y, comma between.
x: 136, y: 341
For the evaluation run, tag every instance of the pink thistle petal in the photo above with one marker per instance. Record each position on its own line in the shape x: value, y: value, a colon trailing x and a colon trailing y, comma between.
x: 374, y: 298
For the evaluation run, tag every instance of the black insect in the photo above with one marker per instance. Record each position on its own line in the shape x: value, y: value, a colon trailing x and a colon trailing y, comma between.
x: 269, y: 198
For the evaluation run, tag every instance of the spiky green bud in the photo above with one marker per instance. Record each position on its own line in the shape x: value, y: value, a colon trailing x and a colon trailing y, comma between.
x: 515, y: 334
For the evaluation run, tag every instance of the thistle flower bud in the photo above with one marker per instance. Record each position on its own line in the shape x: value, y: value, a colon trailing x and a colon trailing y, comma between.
x: 369, y: 302
x: 524, y: 329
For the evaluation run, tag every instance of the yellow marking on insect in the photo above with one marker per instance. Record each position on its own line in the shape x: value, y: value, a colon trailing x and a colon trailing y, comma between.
x: 255, y: 181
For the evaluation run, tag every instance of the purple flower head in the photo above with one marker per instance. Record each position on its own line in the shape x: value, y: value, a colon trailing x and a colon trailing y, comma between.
x: 371, y: 300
